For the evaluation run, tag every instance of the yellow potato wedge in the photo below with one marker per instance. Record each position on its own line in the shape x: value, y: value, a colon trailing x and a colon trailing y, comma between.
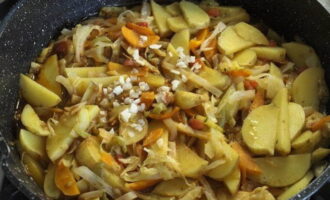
x: 259, y: 130
x: 109, y: 176
x: 306, y: 87
x: 232, y: 15
x: 33, y: 145
x: 85, y: 72
x: 186, y: 100
x: 49, y: 184
x: 319, y: 154
x: 195, y: 16
x: 181, y: 39
x: 229, y: 42
x: 307, y: 142
x: 302, y: 55
x: 172, y: 187
x: 282, y: 171
x: 246, y: 58
x: 276, y: 54
x: 36, y: 94
x: 177, y: 24
x: 48, y: 73
x: 88, y: 152
x: 32, y: 122
x: 173, y: 9
x: 250, y: 33
x: 283, y: 145
x: 216, y: 78
x: 275, y: 71
x: 191, y: 165
x: 34, y: 169
x: 59, y: 143
x: 232, y: 181
x: 296, y: 119
x: 129, y: 133
x: 297, y: 187
x: 154, y: 80
x: 161, y: 17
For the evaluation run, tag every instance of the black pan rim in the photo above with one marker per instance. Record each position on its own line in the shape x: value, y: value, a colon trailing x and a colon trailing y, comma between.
x: 306, y: 193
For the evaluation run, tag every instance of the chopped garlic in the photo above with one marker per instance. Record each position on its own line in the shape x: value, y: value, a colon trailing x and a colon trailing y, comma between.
x: 118, y: 90
x: 144, y: 86
x: 155, y: 46
x: 126, y: 115
x: 175, y: 84
x: 175, y: 71
x: 196, y: 67
x: 134, y: 108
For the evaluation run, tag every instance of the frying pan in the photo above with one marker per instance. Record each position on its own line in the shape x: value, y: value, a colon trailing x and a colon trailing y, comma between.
x: 31, y: 24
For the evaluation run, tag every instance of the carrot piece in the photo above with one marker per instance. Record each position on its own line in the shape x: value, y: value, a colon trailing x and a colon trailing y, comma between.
x: 153, y: 136
x: 200, y: 37
x: 320, y: 124
x: 134, y: 38
x: 165, y: 115
x: 210, y: 53
x: 250, y: 84
x: 65, y: 181
x: 147, y: 98
x: 246, y: 163
x: 110, y: 161
x: 240, y: 72
x: 140, y: 29
x: 259, y: 99
x: 196, y: 124
x: 141, y: 185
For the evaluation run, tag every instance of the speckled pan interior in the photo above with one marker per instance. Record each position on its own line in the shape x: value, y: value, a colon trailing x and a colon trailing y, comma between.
x: 31, y: 24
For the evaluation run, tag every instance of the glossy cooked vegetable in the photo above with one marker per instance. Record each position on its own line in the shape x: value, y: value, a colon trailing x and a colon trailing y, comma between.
x: 184, y: 101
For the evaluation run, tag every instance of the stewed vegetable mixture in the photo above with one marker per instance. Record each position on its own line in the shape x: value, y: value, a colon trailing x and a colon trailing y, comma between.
x: 173, y: 102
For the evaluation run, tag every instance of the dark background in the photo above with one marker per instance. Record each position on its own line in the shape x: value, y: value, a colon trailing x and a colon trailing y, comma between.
x: 9, y: 191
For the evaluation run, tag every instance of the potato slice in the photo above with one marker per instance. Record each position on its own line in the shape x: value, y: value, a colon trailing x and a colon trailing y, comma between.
x: 231, y: 162
x: 32, y: 122
x: 232, y: 15
x: 33, y: 144
x: 88, y: 152
x: 109, y: 176
x: 81, y: 84
x: 246, y: 58
x: 229, y: 42
x: 49, y: 184
x: 275, y: 71
x: 161, y: 148
x: 195, y: 16
x: 283, y: 145
x: 276, y: 54
x: 191, y: 165
x: 319, y: 154
x: 177, y: 24
x: 216, y: 78
x: 161, y: 17
x: 173, y: 9
x: 34, y: 169
x: 307, y: 142
x: 296, y: 119
x: 186, y: 100
x: 250, y: 33
x: 173, y: 187
x: 85, y: 72
x: 59, y: 143
x: 181, y: 39
x: 36, y: 94
x: 259, y: 130
x: 282, y: 171
x: 306, y: 87
x: 154, y: 80
x: 48, y: 73
x: 232, y: 181
x: 302, y: 55
x: 297, y: 187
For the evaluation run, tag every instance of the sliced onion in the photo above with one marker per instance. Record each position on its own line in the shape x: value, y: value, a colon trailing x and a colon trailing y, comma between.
x: 128, y: 196
x: 145, y: 10
x: 91, y: 195
x: 217, y: 29
x: 214, y: 164
x: 171, y: 125
x: 93, y: 179
x: 241, y: 95
x: 66, y: 83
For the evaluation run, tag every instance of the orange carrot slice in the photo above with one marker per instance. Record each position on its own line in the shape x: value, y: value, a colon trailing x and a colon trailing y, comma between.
x: 147, y: 98
x: 240, y: 72
x: 259, y: 99
x: 153, y: 136
x: 320, y: 124
x: 110, y: 161
x: 165, y: 115
x: 246, y: 163
x: 140, y: 29
x: 65, y: 180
